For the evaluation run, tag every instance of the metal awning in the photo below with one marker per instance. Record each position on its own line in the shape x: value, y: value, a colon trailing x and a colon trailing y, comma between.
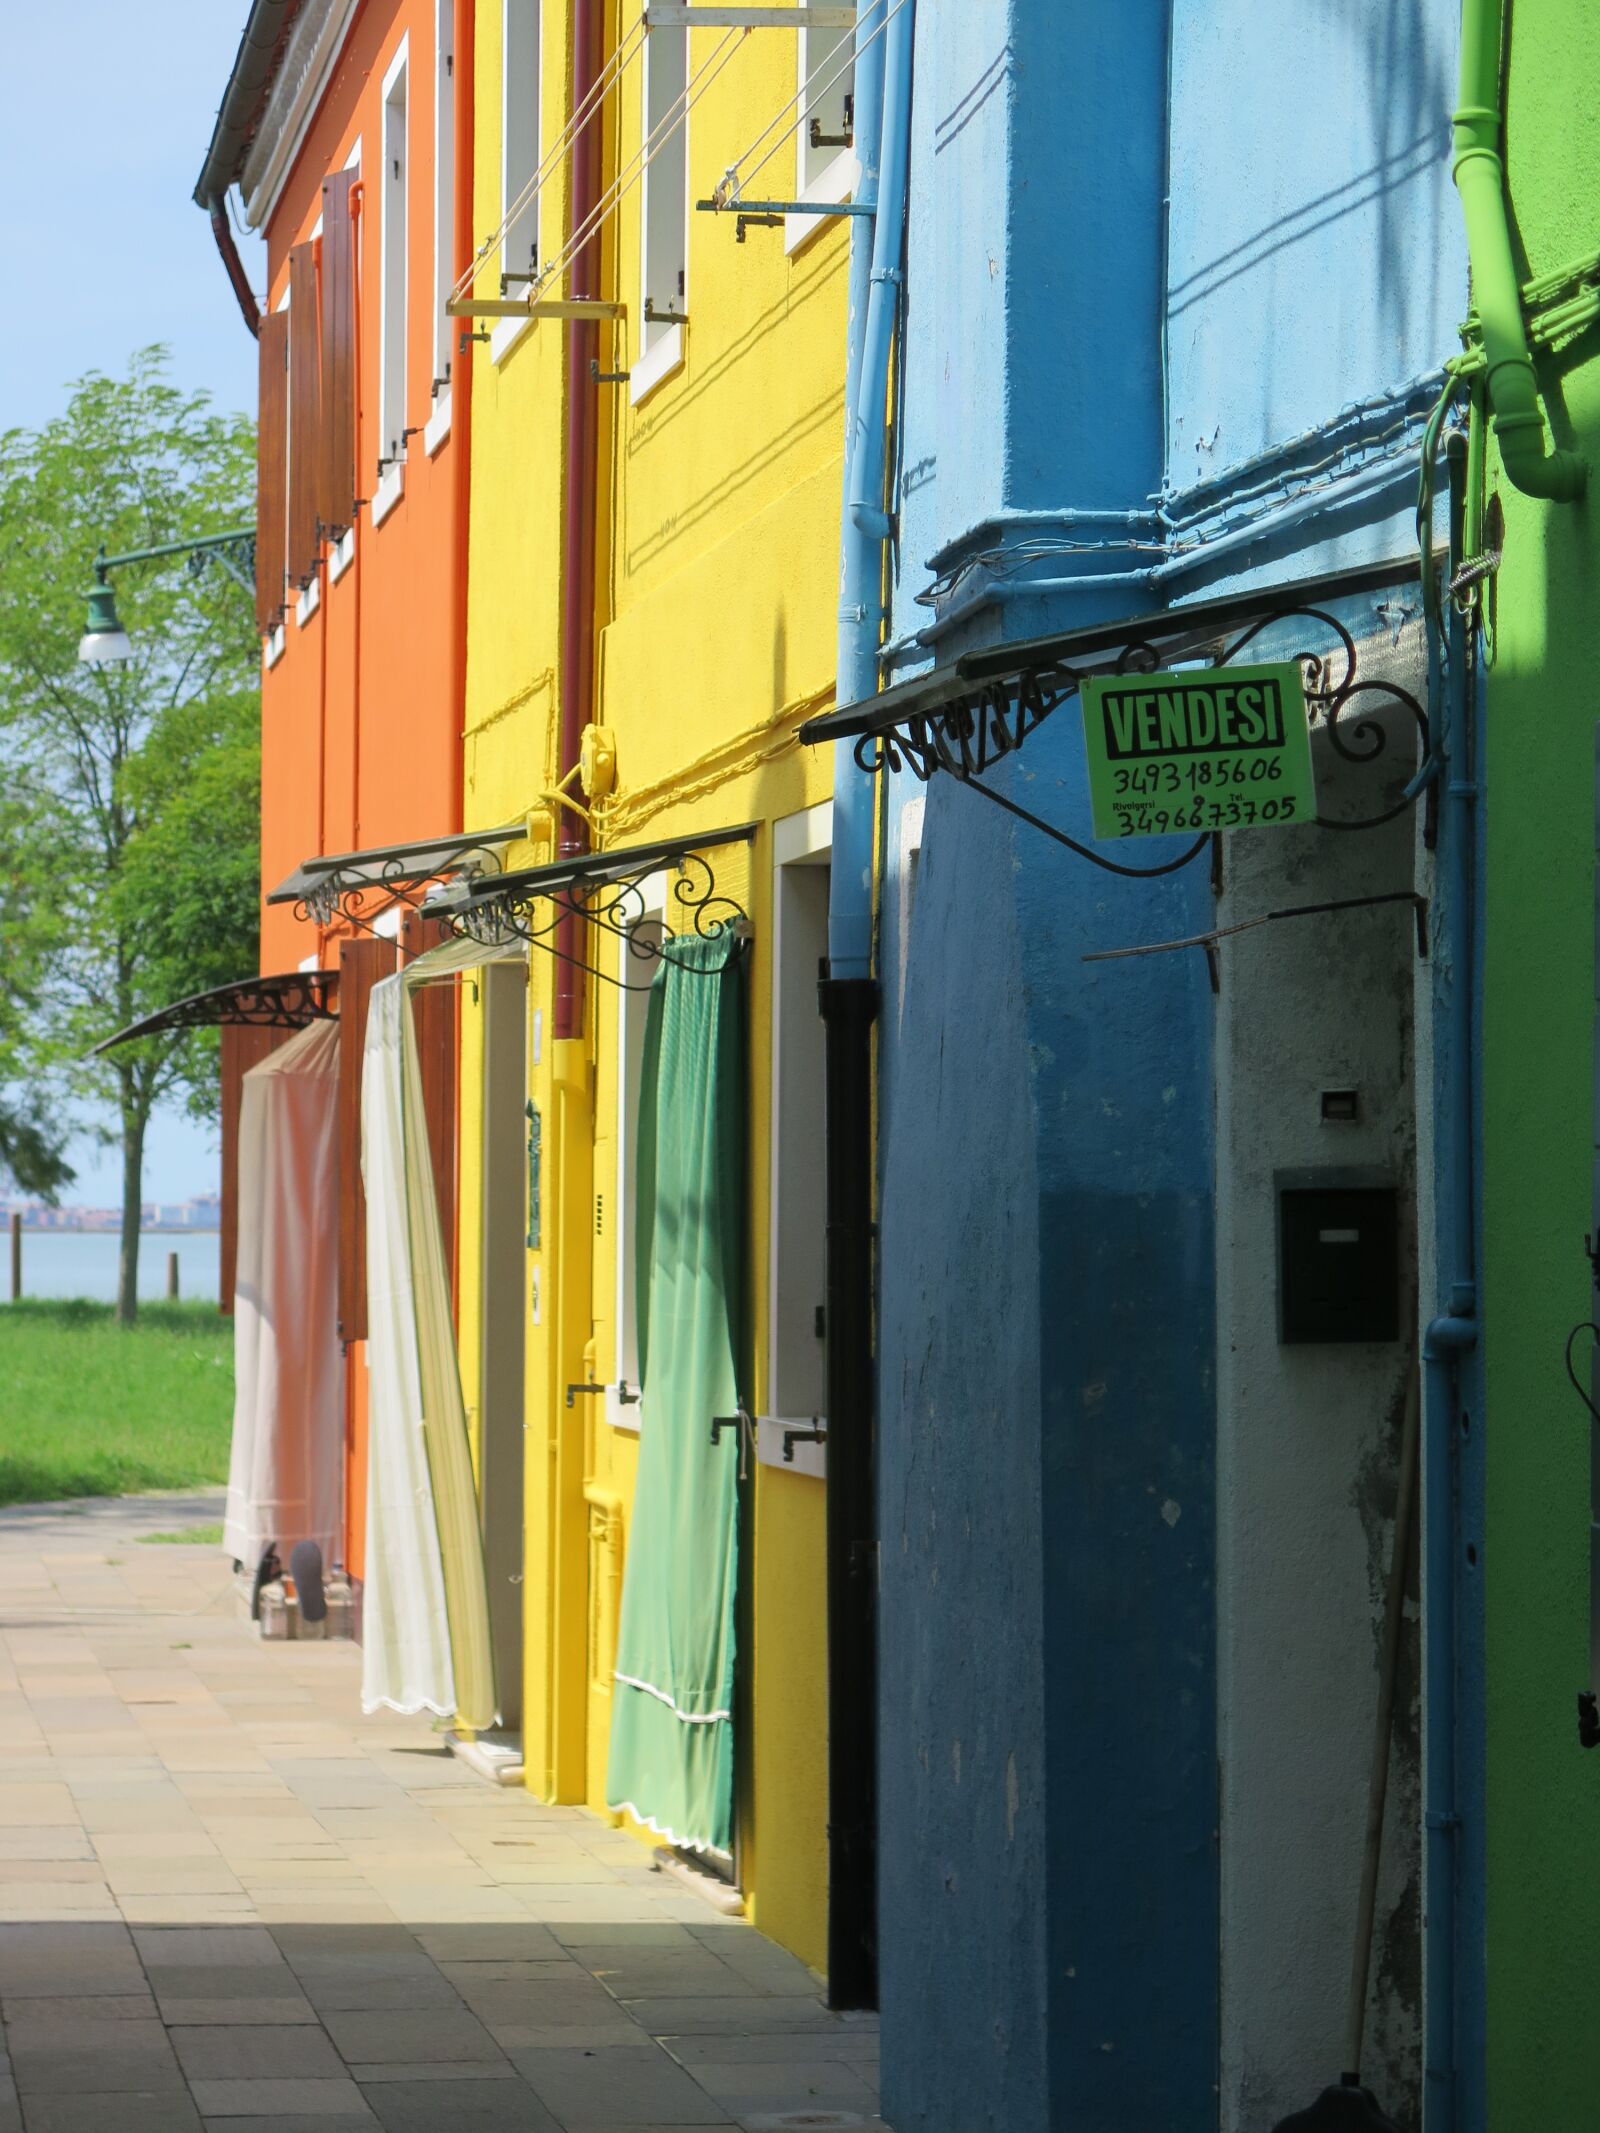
x: 338, y: 884
x: 290, y: 1000
x: 966, y: 717
x: 605, y: 890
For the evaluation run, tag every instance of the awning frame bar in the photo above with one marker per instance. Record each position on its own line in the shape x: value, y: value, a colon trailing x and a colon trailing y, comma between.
x: 606, y: 890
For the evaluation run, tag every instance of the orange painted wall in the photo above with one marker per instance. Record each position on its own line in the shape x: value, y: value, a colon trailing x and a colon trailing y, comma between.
x: 361, y: 709
x: 361, y: 714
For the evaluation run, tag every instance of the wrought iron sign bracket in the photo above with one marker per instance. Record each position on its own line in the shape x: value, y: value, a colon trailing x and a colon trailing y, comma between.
x: 965, y: 721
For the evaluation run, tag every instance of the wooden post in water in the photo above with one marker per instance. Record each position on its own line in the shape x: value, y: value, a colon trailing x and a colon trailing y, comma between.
x: 172, y: 1277
x: 16, y: 1256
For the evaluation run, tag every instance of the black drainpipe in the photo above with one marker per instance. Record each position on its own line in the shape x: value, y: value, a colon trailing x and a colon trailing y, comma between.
x: 848, y: 1007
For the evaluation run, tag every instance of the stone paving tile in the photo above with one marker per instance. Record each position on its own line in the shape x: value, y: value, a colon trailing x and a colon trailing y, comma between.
x: 369, y: 2039
x: 279, y: 2099
x: 122, y: 2111
x: 227, y: 1900
x: 588, y: 2092
x: 775, y: 2085
x: 502, y: 2106
x: 227, y: 2051
x: 340, y: 2122
x: 664, y: 2017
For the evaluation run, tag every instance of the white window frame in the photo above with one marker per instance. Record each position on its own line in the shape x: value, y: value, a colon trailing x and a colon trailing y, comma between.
x: 800, y: 843
x: 343, y: 552
x: 836, y: 180
x: 632, y: 1007
x: 444, y: 219
x: 659, y: 349
x: 510, y: 331
x: 394, y: 194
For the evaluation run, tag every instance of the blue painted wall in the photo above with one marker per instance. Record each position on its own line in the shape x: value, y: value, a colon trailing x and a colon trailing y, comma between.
x: 1143, y: 398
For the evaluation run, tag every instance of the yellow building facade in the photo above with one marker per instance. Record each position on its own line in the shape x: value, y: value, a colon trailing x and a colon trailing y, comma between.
x: 717, y: 499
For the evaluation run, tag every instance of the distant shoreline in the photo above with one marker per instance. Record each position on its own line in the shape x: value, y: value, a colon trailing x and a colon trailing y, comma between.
x: 80, y: 1229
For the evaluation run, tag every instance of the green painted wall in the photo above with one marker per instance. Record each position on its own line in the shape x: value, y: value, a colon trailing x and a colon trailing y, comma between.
x: 1542, y: 703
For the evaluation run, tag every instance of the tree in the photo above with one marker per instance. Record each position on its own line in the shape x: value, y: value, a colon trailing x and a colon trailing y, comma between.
x: 132, y: 843
x: 31, y: 1137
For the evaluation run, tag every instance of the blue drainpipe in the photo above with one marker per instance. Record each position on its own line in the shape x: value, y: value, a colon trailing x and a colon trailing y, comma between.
x: 883, y: 150
x: 1446, y: 1344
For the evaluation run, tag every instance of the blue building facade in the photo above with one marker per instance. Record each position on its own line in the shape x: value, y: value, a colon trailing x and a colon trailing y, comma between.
x: 1179, y: 283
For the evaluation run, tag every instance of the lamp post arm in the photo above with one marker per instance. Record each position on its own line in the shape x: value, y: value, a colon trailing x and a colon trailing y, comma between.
x: 233, y: 548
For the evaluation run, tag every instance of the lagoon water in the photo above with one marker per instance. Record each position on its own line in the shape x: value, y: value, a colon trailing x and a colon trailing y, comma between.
x: 84, y: 1263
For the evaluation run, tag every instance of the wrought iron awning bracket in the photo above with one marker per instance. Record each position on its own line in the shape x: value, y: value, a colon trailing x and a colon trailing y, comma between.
x: 340, y: 893
x: 611, y: 902
x: 288, y: 1002
x: 989, y: 713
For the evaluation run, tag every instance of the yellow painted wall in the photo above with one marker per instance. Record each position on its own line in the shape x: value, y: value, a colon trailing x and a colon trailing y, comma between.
x: 719, y: 518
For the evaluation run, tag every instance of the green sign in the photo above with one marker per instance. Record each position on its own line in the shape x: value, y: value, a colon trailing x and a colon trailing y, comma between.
x: 1220, y: 748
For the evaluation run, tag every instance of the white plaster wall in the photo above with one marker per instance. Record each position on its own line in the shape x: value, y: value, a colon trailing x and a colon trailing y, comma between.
x: 1308, y: 1441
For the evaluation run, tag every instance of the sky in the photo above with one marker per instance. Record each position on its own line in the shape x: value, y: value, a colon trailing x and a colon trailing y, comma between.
x: 104, y: 253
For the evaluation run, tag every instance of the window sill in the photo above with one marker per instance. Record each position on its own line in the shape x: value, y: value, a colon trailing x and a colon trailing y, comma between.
x: 831, y: 187
x: 308, y: 603
x: 391, y: 487
x: 809, y: 1459
x: 272, y: 651
x: 341, y: 555
x: 438, y: 428
x: 656, y: 365
x: 506, y: 336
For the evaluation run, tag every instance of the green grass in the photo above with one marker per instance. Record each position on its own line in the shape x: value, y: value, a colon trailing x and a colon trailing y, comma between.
x: 190, y: 1537
x: 88, y: 1408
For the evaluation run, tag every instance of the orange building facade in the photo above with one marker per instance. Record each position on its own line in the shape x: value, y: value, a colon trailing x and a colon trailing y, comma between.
x: 347, y: 128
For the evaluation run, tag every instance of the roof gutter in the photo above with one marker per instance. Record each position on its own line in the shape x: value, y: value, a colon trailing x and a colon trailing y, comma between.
x: 254, y: 68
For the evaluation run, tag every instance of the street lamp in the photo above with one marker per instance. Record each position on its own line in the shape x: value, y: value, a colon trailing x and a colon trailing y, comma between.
x: 104, y: 640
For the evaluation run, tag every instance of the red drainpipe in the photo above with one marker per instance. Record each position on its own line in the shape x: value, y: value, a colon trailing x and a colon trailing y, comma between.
x: 578, y: 528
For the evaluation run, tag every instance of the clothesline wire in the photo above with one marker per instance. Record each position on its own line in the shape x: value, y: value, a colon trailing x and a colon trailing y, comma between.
x: 626, y: 179
x: 611, y: 73
x: 800, y: 103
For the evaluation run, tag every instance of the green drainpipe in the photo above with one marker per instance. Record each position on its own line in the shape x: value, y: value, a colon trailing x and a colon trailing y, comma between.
x: 1480, y: 179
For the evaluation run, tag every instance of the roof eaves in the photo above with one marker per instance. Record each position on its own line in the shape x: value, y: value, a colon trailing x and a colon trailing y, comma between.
x: 255, y: 68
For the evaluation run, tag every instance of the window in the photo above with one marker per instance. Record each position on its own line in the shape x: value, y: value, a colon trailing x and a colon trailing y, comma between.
x: 623, y: 1412
x: 392, y: 359
x: 444, y: 187
x: 797, y: 1354
x: 520, y: 25
x: 664, y: 211
x: 827, y: 115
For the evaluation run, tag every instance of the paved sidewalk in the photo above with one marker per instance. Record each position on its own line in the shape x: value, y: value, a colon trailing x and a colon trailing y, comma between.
x: 227, y: 1900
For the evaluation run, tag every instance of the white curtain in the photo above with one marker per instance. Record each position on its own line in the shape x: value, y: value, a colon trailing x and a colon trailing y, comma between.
x: 406, y: 1662
x: 286, y: 1472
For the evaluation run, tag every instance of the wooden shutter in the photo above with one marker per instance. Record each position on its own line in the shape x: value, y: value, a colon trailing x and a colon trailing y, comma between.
x: 435, y: 1014
x: 305, y: 415
x: 244, y: 1045
x: 338, y: 480
x: 361, y: 964
x: 272, y: 467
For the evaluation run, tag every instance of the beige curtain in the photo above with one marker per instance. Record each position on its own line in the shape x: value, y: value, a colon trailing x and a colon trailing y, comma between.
x: 444, y: 1412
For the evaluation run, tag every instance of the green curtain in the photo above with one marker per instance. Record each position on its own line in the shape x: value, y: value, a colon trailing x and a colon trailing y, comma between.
x: 671, y: 1760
